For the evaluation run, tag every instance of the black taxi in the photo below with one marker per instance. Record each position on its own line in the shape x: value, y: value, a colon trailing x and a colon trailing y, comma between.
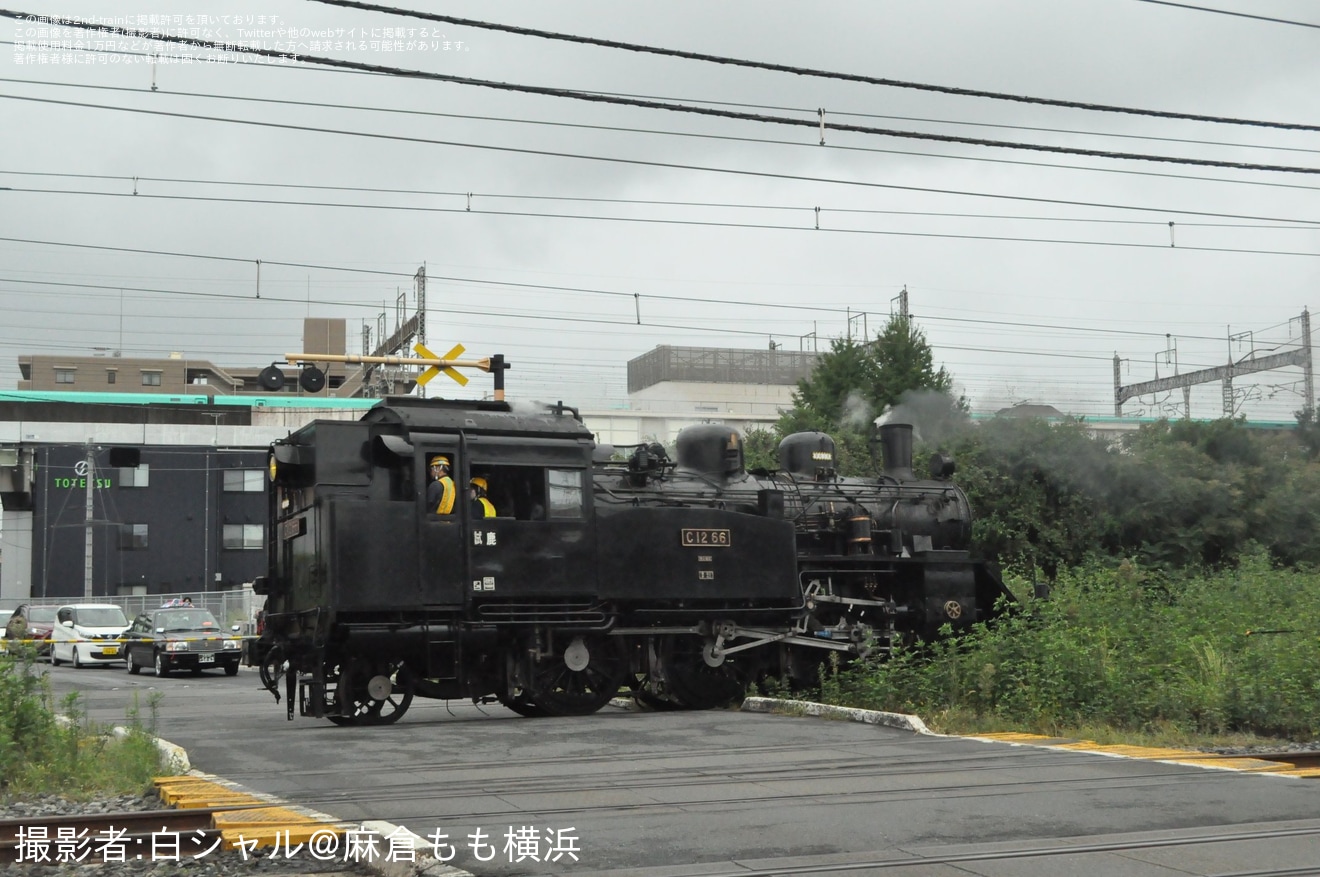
x: 180, y: 638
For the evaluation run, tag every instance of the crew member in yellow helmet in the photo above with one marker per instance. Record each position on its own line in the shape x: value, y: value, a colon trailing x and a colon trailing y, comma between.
x: 440, y: 492
x: 481, y: 506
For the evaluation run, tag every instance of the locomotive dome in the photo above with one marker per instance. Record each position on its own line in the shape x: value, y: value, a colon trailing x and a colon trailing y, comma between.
x: 711, y: 449
x: 807, y: 453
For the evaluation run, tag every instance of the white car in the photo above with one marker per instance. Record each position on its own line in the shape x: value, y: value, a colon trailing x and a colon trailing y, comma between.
x: 87, y: 633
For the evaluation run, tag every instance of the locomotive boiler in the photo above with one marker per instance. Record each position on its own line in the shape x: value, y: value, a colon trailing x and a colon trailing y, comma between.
x: 677, y: 580
x: 880, y: 561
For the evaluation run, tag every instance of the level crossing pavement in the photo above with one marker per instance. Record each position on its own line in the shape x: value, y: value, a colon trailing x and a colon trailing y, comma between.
x: 729, y: 792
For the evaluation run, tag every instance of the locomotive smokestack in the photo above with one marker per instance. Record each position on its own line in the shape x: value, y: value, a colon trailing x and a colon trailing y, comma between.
x: 896, y: 446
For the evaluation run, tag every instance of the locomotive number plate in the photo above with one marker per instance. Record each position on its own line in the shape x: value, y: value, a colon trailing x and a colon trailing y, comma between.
x: 293, y: 528
x: 702, y: 537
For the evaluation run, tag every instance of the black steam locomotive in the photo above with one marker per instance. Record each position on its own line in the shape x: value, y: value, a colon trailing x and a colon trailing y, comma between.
x: 680, y: 580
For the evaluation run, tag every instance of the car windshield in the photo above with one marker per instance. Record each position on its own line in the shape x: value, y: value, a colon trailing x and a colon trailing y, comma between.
x: 41, y: 615
x: 110, y: 616
x: 186, y: 619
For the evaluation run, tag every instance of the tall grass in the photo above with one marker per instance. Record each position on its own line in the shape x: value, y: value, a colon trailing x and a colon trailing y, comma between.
x: 45, y: 749
x: 1232, y: 652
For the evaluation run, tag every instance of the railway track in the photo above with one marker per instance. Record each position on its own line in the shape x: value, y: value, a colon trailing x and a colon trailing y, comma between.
x: 103, y: 837
x: 200, y: 818
x: 1298, y: 760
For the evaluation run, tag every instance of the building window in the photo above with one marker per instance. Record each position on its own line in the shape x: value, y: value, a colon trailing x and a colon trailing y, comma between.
x: 110, y: 375
x: 245, y: 480
x: 565, y: 493
x: 151, y: 379
x: 135, y: 476
x: 132, y: 537
x: 243, y: 537
x: 65, y: 375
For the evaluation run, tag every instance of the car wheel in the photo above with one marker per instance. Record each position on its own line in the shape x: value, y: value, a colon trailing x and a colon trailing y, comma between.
x: 231, y: 669
x: 130, y: 664
x: 162, y: 669
x: 77, y: 664
x: 54, y: 661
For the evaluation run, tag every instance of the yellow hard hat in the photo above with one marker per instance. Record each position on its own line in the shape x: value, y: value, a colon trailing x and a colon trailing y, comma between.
x: 440, y: 461
x: 478, y: 482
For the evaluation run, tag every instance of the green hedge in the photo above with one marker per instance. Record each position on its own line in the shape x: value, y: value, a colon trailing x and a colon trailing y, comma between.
x: 1229, y: 652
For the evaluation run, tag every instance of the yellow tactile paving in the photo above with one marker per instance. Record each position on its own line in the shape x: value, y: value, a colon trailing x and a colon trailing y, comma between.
x: 1008, y: 737
x: 192, y: 792
x: 252, y: 818
x: 266, y: 824
x: 1155, y: 753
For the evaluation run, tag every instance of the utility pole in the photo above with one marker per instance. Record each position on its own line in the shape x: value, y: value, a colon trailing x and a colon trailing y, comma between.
x: 1308, y: 375
x: 87, y: 539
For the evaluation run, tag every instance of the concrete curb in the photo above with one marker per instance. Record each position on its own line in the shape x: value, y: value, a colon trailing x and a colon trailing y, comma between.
x: 823, y: 710
x: 176, y: 757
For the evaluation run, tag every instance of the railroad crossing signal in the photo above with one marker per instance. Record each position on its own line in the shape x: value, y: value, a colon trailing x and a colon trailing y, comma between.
x: 312, y: 379
x: 455, y: 352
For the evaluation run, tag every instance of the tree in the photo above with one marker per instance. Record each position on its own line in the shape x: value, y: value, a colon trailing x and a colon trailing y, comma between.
x: 821, y: 400
x: 1308, y: 432
x: 903, y: 362
x: 855, y: 382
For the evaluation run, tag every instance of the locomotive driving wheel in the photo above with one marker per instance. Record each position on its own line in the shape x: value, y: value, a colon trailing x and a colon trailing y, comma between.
x: 577, y: 676
x: 377, y: 692
x: 699, y: 678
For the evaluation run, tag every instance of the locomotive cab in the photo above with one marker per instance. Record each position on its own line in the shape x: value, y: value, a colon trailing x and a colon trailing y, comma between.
x: 368, y: 578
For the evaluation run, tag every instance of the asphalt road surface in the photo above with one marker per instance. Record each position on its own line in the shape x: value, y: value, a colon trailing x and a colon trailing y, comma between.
x: 726, y: 792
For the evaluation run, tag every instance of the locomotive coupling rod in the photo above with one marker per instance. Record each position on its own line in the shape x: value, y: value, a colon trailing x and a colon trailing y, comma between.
x: 484, y: 363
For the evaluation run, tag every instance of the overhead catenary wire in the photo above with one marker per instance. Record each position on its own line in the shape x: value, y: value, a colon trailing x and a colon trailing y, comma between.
x: 615, y: 293
x: 682, y: 222
x: 644, y: 162
x: 807, y: 71
x: 468, y: 196
x: 728, y: 138
x: 596, y: 97
x: 333, y: 256
x: 668, y: 132
x: 691, y: 222
x: 1232, y: 12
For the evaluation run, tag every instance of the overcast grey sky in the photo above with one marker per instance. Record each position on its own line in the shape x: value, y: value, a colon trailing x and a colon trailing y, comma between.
x: 594, y: 233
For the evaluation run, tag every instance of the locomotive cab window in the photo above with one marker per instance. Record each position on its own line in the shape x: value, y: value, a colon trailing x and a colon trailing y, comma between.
x: 440, y: 489
x: 566, y: 494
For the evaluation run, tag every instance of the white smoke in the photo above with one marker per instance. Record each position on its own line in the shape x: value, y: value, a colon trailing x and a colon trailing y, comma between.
x: 857, y: 412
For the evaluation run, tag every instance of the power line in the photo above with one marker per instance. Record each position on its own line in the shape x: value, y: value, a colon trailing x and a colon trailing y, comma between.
x: 596, y: 97
x: 728, y: 138
x: 643, y: 162
x: 667, y: 98
x: 806, y: 71
x: 811, y: 210
x: 598, y: 292
x: 682, y: 222
x: 1221, y: 12
x: 204, y: 256
x: 692, y: 222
